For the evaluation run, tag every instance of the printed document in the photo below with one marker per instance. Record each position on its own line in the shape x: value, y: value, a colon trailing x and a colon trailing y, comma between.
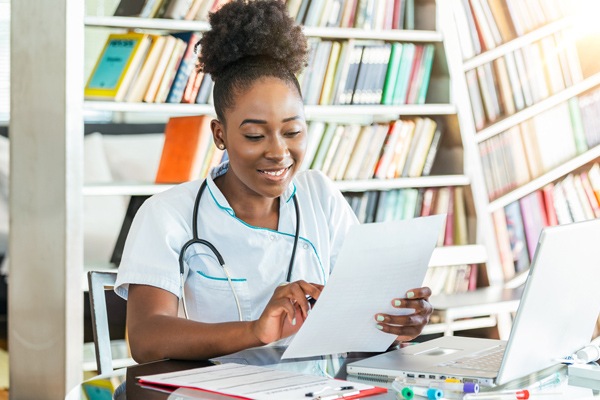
x: 377, y: 263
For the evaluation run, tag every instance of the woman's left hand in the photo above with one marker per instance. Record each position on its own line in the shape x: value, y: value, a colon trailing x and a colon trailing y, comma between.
x: 407, y: 327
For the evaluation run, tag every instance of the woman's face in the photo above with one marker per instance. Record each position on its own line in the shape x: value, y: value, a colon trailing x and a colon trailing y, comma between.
x: 265, y: 137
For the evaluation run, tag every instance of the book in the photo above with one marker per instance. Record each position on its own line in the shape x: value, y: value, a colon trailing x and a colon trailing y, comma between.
x: 503, y: 244
x: 419, y: 155
x: 129, y: 8
x: 516, y: 235
x: 205, y: 90
x: 140, y: 84
x: 548, y: 195
x: 328, y: 79
x: 160, y: 69
x: 186, y: 142
x: 402, y: 81
x: 187, y: 64
x: 135, y: 202
x: 119, y: 61
x: 170, y: 71
x: 314, y: 135
x: 177, y: 9
x: 589, y: 192
x: 391, y: 74
x: 323, y: 147
x: 359, y: 153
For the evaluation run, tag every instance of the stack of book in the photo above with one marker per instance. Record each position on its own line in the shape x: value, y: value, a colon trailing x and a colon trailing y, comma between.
x: 366, y: 72
x: 522, y: 78
x: 136, y: 67
x: 363, y: 14
x: 518, y: 225
x: 534, y: 147
x: 396, y: 204
x: 402, y: 148
x: 485, y: 24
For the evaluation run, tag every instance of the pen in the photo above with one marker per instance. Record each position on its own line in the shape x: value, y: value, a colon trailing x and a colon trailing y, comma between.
x: 327, y: 388
x: 499, y: 395
x: 451, y: 385
x: 551, y: 380
x: 337, y: 395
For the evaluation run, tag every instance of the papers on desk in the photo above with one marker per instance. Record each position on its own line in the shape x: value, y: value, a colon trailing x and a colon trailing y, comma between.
x: 377, y: 263
x: 253, y: 382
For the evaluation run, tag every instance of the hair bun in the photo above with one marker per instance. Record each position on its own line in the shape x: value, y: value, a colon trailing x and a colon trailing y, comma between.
x: 246, y: 28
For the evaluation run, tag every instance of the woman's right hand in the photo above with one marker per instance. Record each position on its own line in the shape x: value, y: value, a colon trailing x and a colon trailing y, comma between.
x: 286, y: 311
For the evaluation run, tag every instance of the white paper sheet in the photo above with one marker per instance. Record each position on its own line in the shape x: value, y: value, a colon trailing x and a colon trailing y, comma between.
x: 377, y: 263
x: 254, y: 382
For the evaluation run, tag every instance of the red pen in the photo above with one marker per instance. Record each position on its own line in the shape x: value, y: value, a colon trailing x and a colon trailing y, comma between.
x: 499, y: 395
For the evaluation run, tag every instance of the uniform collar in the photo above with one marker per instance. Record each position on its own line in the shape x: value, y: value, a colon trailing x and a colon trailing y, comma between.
x: 222, y: 202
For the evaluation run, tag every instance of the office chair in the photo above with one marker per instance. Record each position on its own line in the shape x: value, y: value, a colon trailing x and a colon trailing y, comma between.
x: 99, y: 282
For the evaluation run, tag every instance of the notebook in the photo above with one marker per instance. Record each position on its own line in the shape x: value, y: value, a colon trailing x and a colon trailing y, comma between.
x: 556, y: 317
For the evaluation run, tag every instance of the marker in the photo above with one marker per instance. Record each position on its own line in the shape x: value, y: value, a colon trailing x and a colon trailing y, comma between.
x: 327, y: 388
x: 451, y: 385
x: 407, y: 393
x: 430, y: 393
x: 500, y: 395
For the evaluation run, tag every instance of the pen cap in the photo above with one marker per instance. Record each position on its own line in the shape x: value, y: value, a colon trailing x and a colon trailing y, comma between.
x: 471, y: 387
x: 589, y: 353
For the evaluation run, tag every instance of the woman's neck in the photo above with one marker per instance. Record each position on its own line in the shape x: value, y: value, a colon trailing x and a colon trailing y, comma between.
x: 251, y: 208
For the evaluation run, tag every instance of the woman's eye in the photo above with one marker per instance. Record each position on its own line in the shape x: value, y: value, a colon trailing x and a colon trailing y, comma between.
x: 253, y: 137
x: 292, y: 134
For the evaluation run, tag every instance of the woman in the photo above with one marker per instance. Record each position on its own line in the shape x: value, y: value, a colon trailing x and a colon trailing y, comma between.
x: 277, y: 231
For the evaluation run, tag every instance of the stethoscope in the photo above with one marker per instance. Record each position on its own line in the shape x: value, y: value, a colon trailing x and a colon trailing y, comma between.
x: 196, y: 239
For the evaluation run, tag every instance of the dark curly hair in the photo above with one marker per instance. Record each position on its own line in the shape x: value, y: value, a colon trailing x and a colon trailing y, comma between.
x: 249, y: 40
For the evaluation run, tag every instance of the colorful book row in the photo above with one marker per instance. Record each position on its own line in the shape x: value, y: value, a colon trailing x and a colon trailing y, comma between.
x: 485, y: 24
x: 397, y: 204
x: 522, y: 78
x: 136, y: 67
x: 451, y: 279
x: 402, y: 148
x: 358, y: 72
x: 526, y: 151
x: 518, y: 225
x: 362, y: 14
x: 170, y: 9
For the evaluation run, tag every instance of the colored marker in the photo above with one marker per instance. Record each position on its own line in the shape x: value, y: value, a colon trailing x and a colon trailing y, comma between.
x: 430, y: 393
x: 451, y: 385
x: 500, y: 395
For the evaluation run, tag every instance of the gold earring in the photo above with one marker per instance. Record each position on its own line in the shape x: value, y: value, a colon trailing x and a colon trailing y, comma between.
x: 221, y: 146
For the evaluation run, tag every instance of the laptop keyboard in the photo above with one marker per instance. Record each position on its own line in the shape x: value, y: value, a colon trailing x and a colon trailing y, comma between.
x: 487, y: 361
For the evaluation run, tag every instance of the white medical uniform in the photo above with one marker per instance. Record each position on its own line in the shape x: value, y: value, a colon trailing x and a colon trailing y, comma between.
x: 257, y: 258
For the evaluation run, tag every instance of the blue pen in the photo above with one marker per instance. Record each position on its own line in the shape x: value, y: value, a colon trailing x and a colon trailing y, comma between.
x: 430, y: 393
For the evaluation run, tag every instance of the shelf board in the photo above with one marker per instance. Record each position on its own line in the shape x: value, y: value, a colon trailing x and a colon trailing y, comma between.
x: 202, y: 26
x: 541, y: 181
x: 517, y: 43
x: 148, y: 189
x: 446, y: 255
x: 310, y: 110
x: 544, y: 105
x: 458, y: 255
x: 400, y: 183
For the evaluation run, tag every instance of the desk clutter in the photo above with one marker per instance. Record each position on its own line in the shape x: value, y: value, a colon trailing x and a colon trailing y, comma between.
x: 260, y: 383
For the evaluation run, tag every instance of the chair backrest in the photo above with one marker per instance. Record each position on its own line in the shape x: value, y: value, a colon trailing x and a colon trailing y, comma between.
x: 99, y: 281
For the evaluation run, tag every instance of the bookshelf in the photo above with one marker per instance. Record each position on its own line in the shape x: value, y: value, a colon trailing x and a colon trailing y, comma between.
x: 451, y: 168
x: 576, y: 149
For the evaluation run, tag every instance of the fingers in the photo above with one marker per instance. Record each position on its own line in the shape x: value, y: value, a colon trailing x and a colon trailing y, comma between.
x: 297, y: 293
x: 407, y: 327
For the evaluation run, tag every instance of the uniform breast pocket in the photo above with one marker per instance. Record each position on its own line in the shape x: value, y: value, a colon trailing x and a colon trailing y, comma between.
x: 214, y: 295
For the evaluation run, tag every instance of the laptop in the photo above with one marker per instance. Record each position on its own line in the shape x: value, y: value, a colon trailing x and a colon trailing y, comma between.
x: 556, y: 317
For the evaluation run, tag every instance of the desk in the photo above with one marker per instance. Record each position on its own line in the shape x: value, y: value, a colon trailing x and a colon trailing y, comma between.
x: 136, y: 392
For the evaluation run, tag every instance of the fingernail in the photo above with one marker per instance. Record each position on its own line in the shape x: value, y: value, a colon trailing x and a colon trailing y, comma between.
x: 380, y: 327
x: 294, y: 321
x: 380, y: 318
x: 398, y: 303
x: 410, y: 295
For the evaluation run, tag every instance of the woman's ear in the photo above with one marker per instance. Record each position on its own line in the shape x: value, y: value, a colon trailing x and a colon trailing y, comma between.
x: 218, y: 133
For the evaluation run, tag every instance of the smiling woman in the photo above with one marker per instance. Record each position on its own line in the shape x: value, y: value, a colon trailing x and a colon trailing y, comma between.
x: 263, y: 237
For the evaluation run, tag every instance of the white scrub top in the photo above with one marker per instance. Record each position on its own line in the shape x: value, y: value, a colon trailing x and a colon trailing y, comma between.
x: 257, y: 258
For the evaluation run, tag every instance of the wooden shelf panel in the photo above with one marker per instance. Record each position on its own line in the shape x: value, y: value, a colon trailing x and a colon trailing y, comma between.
x: 202, y: 26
